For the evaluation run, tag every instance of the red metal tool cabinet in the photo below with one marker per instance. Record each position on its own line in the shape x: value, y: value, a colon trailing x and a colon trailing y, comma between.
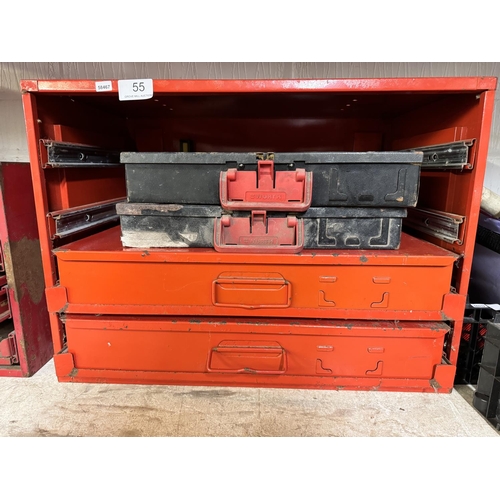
x: 354, y: 319
x: 25, y: 339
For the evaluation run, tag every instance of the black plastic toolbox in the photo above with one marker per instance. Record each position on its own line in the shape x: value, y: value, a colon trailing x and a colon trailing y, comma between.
x: 148, y: 225
x: 369, y: 179
x: 487, y: 396
x: 476, y: 320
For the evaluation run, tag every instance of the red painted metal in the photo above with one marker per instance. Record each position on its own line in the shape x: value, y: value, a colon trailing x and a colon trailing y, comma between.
x: 440, y: 84
x: 95, y: 274
x: 242, y: 352
x: 4, y: 304
x: 5, y: 311
x: 8, y: 351
x: 42, y: 190
x: 25, y: 339
x: 225, y: 115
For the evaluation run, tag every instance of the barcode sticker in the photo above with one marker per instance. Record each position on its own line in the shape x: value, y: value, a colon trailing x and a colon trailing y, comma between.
x: 103, y: 86
x: 132, y: 90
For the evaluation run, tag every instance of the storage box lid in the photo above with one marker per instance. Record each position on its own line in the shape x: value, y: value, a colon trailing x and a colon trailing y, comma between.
x: 289, y: 158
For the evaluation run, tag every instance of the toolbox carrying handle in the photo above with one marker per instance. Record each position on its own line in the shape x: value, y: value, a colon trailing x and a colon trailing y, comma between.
x: 259, y: 234
x: 243, y: 350
x: 266, y: 189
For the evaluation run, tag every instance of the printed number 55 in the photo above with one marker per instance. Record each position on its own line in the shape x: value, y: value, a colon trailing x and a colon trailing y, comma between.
x: 138, y: 86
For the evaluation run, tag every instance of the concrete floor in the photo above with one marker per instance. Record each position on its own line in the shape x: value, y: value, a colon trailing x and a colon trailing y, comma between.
x: 41, y: 406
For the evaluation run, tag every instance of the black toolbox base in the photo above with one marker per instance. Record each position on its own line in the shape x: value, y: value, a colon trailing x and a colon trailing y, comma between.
x: 176, y: 226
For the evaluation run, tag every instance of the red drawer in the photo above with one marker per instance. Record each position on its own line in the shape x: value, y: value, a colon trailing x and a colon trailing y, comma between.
x: 98, y: 276
x: 4, y: 304
x: 8, y: 348
x: 248, y: 352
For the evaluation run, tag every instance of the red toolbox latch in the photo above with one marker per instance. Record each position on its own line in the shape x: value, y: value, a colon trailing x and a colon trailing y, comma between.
x: 265, y: 189
x: 258, y: 234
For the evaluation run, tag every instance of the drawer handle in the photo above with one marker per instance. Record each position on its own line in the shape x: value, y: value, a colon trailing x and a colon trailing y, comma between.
x: 251, y: 292
x: 248, y: 355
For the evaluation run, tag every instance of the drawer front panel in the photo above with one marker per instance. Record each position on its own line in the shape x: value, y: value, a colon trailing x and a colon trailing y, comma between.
x: 316, y: 291
x: 251, y: 348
